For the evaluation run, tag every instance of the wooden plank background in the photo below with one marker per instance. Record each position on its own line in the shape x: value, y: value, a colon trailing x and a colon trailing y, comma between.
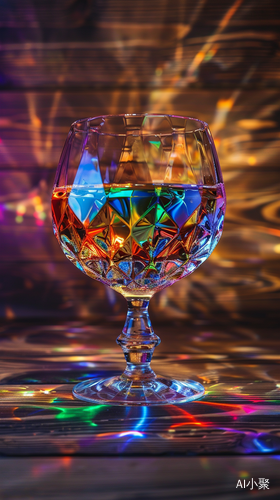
x: 63, y: 60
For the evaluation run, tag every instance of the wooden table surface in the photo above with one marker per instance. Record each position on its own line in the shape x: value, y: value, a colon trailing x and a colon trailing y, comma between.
x: 49, y: 440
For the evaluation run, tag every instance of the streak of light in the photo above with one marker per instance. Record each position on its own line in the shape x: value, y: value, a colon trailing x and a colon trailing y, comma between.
x: 134, y: 432
x: 245, y: 408
x: 253, y: 438
x: 143, y: 418
x: 224, y: 106
x: 255, y: 124
x: 190, y: 417
x: 76, y: 358
x: 28, y: 394
x: 159, y: 99
x: 14, y: 417
x: 130, y: 433
x: 37, y: 143
x: 6, y: 123
x: 182, y: 424
x: 268, y: 230
x: 250, y: 399
x: 234, y: 406
x: 213, y: 38
x: 47, y: 391
x: 120, y: 434
x: 260, y: 446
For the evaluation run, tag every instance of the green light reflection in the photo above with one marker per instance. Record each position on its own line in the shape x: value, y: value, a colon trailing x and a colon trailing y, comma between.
x: 85, y: 414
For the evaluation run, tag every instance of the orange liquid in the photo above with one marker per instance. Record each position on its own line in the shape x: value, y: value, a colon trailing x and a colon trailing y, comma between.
x: 139, y: 239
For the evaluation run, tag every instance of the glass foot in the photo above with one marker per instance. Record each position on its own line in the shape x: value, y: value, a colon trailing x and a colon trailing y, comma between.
x: 124, y: 391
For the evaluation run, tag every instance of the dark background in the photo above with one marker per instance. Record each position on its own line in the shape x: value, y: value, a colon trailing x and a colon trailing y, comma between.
x: 68, y: 59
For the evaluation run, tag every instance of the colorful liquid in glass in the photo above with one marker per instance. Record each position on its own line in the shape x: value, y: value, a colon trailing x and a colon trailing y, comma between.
x: 138, y: 239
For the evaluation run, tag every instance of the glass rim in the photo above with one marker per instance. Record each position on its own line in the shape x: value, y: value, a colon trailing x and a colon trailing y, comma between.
x: 202, y: 125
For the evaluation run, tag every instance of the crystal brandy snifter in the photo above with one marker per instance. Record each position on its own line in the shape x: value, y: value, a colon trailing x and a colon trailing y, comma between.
x: 138, y: 204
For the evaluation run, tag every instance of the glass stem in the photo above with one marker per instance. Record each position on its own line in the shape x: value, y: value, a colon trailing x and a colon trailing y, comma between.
x: 138, y: 340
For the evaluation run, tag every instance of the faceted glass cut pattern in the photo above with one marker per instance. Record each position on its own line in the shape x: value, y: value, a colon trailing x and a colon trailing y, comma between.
x: 135, y: 149
x: 138, y: 203
x: 142, y: 239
